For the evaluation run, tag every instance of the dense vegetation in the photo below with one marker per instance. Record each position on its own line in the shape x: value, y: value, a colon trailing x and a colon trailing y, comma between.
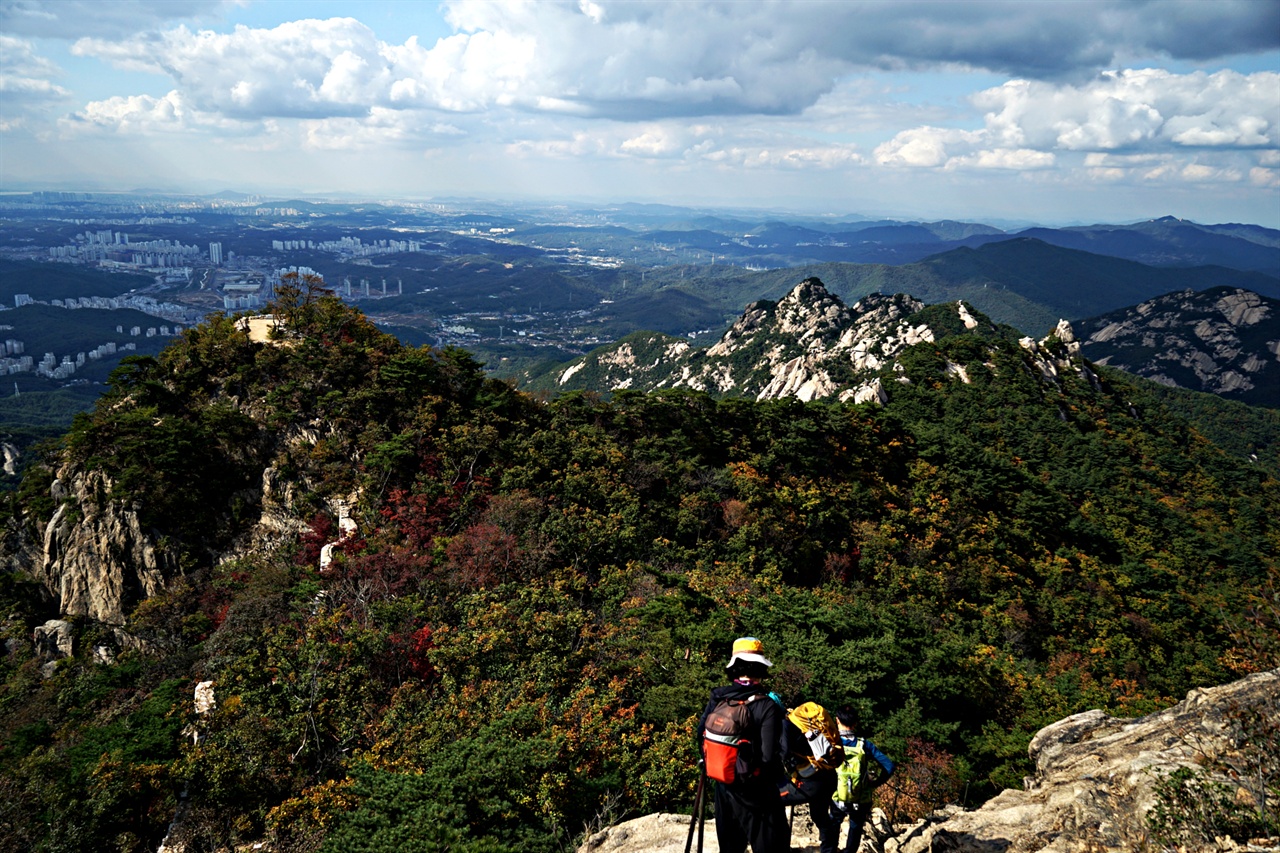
x: 540, y: 594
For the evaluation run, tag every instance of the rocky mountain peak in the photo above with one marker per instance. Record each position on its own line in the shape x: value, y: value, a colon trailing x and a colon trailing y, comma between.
x: 809, y: 345
x: 1222, y: 341
x: 809, y: 311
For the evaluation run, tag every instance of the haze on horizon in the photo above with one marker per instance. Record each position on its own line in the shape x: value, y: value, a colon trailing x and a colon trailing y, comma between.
x: 1054, y: 112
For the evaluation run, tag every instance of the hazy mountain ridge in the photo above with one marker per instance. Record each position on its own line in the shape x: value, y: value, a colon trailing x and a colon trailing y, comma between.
x: 1167, y: 242
x: 1048, y: 283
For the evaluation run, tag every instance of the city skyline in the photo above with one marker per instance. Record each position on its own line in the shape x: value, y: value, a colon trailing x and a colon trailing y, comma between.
x: 1042, y: 112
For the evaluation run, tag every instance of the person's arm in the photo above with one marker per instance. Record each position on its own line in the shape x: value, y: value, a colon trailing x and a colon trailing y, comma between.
x: 885, y: 762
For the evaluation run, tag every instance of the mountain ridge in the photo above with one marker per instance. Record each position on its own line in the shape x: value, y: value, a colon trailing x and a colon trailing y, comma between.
x: 809, y: 345
x: 378, y: 564
x: 1223, y: 340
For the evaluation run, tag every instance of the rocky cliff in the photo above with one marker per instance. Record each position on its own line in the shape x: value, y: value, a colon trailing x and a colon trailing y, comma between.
x: 1094, y: 784
x: 95, y: 558
x: 809, y: 345
x: 1223, y: 341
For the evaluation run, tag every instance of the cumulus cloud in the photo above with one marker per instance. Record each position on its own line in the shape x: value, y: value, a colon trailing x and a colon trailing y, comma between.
x: 648, y: 60
x: 299, y: 69
x: 146, y: 114
x: 551, y: 60
x: 1136, y: 109
x: 1146, y: 114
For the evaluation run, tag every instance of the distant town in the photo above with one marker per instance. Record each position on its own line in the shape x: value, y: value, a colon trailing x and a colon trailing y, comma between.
x: 520, y: 286
x: 406, y: 278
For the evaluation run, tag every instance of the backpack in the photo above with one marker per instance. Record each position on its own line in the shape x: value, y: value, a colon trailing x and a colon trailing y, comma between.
x: 727, y: 750
x: 822, y: 736
x: 813, y: 756
x: 851, y: 777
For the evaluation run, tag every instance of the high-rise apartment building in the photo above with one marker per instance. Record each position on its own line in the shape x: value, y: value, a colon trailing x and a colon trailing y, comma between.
x: 215, y: 254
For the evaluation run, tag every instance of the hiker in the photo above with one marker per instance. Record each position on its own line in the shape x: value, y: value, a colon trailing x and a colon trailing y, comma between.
x: 865, y: 769
x: 748, y: 809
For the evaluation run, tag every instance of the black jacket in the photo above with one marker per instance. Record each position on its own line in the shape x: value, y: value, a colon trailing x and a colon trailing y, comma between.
x: 766, y: 734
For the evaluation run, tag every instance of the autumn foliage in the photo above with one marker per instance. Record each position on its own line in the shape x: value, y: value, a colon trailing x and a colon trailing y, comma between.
x: 540, y: 594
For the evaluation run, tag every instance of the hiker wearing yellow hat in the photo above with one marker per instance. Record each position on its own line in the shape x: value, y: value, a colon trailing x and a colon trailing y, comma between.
x: 748, y: 649
x: 740, y: 734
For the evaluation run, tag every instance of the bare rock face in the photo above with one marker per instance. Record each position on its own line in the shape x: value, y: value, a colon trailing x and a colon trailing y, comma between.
x: 11, y: 456
x: 1222, y: 341
x: 668, y: 833
x: 1094, y: 779
x: 96, y: 559
x: 809, y: 346
x: 54, y: 640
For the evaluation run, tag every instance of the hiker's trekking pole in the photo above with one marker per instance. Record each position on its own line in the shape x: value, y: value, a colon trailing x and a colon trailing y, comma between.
x: 702, y: 815
x: 699, y: 801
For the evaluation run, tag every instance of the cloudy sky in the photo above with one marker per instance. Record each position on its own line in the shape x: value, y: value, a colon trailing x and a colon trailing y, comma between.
x: 1055, y: 112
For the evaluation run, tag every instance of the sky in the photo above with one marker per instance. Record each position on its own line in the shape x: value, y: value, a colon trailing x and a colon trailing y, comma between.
x: 1081, y: 111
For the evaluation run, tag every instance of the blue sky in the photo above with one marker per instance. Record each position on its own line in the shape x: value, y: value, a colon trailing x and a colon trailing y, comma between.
x: 1053, y: 112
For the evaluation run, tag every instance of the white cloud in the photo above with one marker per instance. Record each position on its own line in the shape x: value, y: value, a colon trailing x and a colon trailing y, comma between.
x: 24, y: 73
x: 654, y: 142
x: 724, y: 143
x: 1148, y: 125
x: 381, y: 129
x: 1265, y: 178
x: 1135, y: 109
x: 924, y: 147
x: 1014, y: 159
x: 134, y: 114
x: 27, y: 84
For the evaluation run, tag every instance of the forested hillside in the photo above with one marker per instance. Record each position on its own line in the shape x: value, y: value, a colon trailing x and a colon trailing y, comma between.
x: 518, y: 637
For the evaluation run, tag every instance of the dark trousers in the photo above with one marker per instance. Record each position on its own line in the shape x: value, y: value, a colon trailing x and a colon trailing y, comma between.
x: 756, y: 817
x: 828, y: 820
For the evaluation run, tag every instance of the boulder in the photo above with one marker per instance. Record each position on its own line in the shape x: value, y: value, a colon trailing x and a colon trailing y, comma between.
x: 668, y: 833
x: 54, y: 640
x: 1094, y: 779
x: 1092, y: 788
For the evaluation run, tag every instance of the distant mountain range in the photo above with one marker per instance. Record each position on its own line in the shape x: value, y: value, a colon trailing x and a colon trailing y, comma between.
x: 1174, y: 242
x: 1164, y: 242
x: 1031, y: 284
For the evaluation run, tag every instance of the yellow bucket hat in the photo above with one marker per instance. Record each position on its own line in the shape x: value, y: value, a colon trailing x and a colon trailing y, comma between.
x: 750, y: 649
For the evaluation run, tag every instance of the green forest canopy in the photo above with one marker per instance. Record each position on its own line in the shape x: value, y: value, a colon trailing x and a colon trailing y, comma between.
x: 540, y: 594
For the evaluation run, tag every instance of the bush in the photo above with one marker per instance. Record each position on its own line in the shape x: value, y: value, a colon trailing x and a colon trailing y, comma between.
x: 1236, y: 793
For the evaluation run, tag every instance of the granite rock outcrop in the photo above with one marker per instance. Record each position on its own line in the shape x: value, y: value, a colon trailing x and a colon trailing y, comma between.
x: 808, y: 346
x: 1093, y: 785
x: 1223, y: 341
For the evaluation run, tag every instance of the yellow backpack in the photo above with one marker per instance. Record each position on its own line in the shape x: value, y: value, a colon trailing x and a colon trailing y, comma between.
x: 821, y: 734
